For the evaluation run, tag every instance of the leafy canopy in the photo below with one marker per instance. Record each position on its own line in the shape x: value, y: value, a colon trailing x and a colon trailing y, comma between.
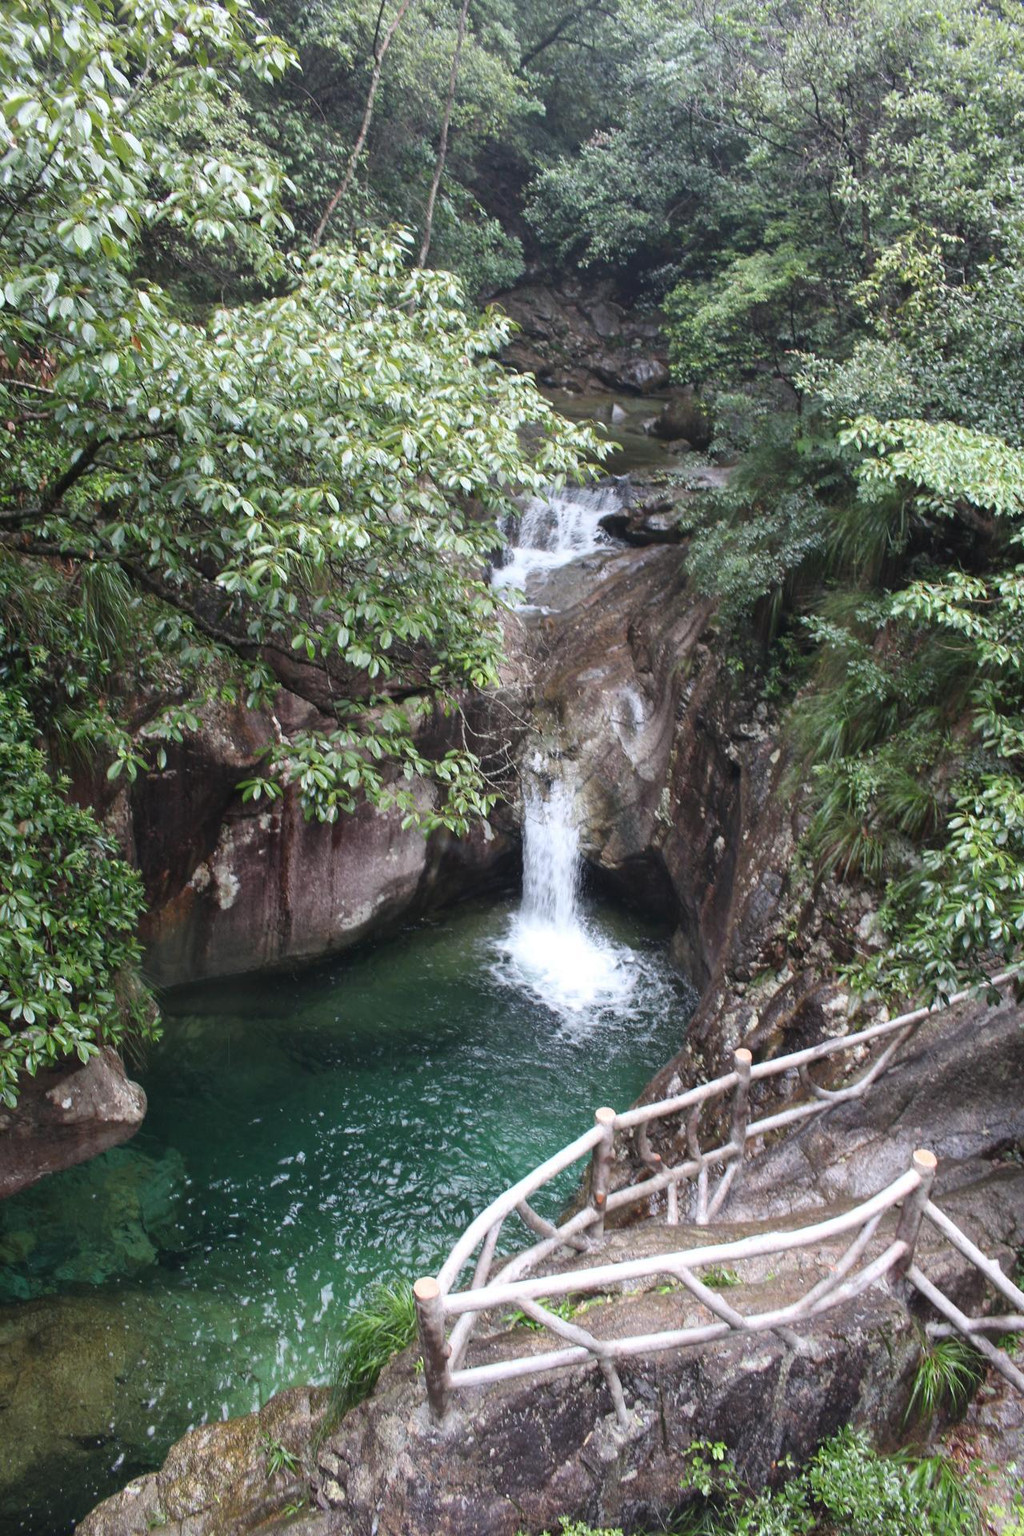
x: 299, y: 491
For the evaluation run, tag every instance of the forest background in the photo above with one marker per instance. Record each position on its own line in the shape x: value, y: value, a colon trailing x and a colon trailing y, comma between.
x: 254, y: 431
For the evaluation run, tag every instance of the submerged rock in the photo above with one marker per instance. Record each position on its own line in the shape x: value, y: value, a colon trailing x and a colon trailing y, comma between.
x: 84, y: 1379
x: 113, y: 1217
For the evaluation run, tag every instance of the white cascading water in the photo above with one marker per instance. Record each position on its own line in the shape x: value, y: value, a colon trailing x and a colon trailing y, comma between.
x: 551, y: 951
x: 556, y: 529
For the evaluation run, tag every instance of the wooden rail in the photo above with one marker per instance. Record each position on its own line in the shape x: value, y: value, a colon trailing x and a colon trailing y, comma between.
x: 438, y: 1302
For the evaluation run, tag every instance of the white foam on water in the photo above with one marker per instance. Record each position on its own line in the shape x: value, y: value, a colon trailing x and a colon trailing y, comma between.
x: 550, y: 951
x: 555, y: 529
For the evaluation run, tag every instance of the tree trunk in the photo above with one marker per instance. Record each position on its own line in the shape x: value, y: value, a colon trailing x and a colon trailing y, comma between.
x: 442, y: 148
x: 380, y: 48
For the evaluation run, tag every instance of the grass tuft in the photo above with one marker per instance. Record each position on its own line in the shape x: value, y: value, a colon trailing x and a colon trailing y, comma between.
x: 375, y: 1329
x: 947, y: 1376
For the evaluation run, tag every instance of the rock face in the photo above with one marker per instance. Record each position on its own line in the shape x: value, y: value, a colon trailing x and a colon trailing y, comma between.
x: 66, y: 1115
x: 235, y: 888
x: 578, y: 338
x: 674, y: 772
x: 688, y: 805
x: 533, y: 1452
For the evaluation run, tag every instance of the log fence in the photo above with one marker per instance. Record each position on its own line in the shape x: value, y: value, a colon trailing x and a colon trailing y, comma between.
x: 708, y: 1175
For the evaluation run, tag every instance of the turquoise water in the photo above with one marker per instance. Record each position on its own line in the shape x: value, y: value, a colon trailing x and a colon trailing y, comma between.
x: 306, y: 1135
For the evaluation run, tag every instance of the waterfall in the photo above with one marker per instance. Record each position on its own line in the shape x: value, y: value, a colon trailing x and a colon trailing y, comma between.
x: 551, y: 859
x: 554, y: 529
x: 551, y: 950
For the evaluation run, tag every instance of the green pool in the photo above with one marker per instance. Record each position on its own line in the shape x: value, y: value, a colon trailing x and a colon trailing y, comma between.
x: 306, y: 1135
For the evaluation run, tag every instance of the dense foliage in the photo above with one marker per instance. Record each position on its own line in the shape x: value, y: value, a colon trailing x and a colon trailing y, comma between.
x: 68, y: 914
x: 845, y: 1486
x: 832, y: 199
x: 296, y: 489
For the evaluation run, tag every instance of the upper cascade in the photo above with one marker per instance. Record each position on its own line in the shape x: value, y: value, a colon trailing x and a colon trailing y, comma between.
x: 555, y: 529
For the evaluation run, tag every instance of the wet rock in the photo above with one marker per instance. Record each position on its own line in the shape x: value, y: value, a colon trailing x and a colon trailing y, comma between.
x: 228, y: 1478
x: 641, y: 528
x: 628, y: 690
x: 654, y: 519
x: 66, y: 1115
x: 684, y: 417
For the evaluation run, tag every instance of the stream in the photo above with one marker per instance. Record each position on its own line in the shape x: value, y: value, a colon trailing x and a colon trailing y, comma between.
x: 307, y: 1135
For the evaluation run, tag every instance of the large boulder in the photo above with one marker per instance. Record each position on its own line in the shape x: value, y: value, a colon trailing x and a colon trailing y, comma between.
x: 66, y: 1115
x: 683, y: 417
x: 634, y: 375
x: 235, y: 887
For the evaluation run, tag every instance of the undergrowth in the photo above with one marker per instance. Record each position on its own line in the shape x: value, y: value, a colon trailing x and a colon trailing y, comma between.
x: 845, y: 1488
x: 947, y: 1376
x: 372, y: 1332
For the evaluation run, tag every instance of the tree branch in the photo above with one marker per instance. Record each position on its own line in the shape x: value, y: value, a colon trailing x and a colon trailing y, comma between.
x: 380, y: 48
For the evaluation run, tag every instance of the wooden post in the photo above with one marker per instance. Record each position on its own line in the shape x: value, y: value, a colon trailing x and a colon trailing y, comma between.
x: 742, y: 1062
x: 601, y: 1166
x: 924, y: 1164
x: 430, y: 1317
x: 693, y: 1147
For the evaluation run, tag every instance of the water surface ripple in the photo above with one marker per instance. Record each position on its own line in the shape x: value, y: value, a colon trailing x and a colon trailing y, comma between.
x: 306, y: 1135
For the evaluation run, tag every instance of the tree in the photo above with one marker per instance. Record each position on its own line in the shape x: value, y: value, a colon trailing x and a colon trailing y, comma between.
x: 383, y: 36
x: 859, y: 229
x: 68, y: 913
x: 442, y: 147
x: 297, y: 491
x: 381, y: 172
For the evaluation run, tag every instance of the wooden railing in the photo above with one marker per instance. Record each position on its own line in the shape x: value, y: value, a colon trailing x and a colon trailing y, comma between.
x: 438, y: 1302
